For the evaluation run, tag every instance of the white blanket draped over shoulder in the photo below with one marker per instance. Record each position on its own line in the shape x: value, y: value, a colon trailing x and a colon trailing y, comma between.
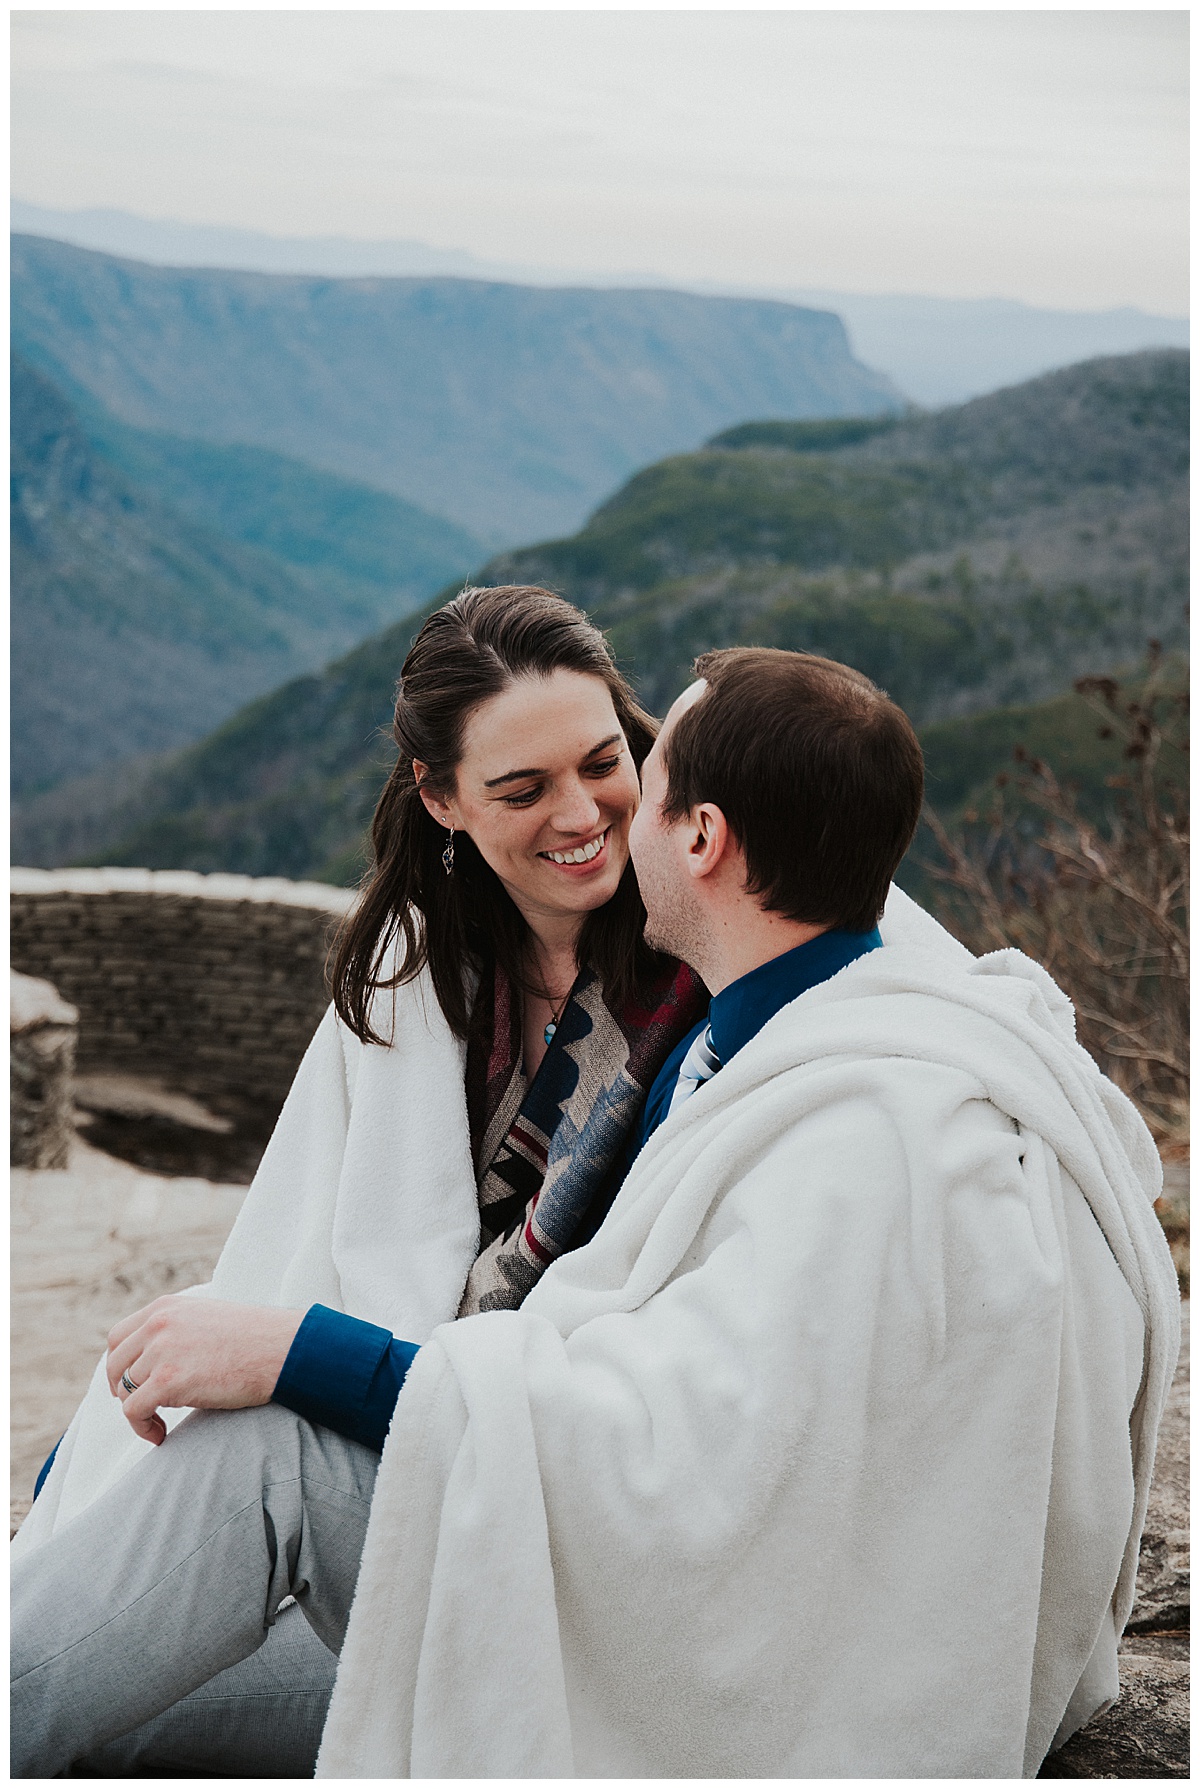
x: 828, y: 1456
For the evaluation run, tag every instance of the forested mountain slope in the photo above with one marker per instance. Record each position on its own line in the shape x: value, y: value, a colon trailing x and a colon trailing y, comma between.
x: 139, y: 624
x: 511, y: 409
x: 969, y: 561
x: 372, y: 546
x: 982, y: 555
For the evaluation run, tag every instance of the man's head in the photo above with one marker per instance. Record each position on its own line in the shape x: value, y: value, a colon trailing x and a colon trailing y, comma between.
x: 781, y: 782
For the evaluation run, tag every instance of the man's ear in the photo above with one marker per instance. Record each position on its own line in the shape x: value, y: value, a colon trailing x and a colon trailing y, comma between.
x: 710, y: 840
x: 434, y: 805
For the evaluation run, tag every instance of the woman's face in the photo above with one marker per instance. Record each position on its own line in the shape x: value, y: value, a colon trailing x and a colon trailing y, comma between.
x: 546, y: 790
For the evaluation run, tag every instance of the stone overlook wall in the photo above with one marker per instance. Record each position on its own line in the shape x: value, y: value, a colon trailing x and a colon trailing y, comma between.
x: 213, y: 984
x: 42, y: 1031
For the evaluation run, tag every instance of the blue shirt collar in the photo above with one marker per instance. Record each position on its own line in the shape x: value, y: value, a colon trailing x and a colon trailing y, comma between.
x: 740, y: 1011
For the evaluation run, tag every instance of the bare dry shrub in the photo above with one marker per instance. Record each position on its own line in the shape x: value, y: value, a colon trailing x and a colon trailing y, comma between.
x: 1102, y: 904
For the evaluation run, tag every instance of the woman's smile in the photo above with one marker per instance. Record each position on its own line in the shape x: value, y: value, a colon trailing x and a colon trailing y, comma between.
x: 589, y: 856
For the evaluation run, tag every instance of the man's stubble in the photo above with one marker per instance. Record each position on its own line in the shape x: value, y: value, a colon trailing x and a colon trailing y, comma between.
x: 671, y: 923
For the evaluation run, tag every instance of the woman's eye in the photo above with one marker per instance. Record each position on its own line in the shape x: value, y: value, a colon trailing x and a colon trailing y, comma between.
x: 525, y: 799
x: 604, y: 767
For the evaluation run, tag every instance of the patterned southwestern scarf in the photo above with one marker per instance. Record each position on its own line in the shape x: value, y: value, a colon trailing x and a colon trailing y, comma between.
x: 549, y: 1154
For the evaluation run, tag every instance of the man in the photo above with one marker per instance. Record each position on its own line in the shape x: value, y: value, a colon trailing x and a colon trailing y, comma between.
x: 814, y: 784
x: 816, y: 1460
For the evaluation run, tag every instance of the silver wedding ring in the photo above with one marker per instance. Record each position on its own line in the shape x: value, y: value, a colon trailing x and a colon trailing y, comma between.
x: 127, y: 1382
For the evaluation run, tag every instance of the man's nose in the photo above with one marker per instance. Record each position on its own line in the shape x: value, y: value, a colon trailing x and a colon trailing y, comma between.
x: 577, y: 812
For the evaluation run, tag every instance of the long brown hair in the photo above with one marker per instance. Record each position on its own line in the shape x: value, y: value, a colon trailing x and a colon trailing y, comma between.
x: 466, y: 652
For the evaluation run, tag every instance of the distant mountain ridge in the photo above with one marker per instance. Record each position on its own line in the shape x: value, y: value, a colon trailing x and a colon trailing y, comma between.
x: 937, y: 350
x: 512, y: 410
x: 968, y: 561
x: 946, y: 350
x: 159, y: 585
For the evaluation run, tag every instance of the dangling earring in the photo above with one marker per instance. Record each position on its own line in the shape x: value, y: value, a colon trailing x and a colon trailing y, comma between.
x: 448, y: 855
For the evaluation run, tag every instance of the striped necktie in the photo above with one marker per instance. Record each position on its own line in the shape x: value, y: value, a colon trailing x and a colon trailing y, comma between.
x: 699, y: 1065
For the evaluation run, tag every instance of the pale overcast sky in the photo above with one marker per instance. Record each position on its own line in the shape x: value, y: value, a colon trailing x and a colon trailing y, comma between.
x: 1036, y: 155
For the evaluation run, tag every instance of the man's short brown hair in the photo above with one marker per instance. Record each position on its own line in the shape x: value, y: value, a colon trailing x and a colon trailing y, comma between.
x: 818, y: 774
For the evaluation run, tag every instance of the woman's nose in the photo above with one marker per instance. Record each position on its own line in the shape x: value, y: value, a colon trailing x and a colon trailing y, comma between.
x: 577, y: 811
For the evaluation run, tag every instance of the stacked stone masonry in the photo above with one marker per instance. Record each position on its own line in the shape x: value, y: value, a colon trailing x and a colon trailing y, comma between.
x: 42, y: 1035
x: 214, y: 984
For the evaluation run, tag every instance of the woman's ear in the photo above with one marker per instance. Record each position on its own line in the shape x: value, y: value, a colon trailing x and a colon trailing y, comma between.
x: 434, y: 805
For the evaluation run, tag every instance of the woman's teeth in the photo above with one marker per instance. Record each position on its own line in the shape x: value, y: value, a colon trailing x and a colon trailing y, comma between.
x: 581, y: 853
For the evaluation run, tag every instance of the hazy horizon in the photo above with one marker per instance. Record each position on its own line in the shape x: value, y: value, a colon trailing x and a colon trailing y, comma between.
x: 79, y: 225
x: 1036, y: 157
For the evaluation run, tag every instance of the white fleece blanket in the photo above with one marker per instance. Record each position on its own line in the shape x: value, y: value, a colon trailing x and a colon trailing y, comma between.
x: 815, y: 1462
x: 364, y: 1201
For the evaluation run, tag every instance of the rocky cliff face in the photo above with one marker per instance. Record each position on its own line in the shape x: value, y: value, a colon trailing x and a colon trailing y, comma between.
x: 512, y: 409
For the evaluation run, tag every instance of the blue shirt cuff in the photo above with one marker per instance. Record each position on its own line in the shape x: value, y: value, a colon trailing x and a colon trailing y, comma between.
x: 344, y: 1374
x: 41, y: 1477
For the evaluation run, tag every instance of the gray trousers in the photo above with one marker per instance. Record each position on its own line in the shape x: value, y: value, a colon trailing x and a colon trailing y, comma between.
x: 138, y: 1631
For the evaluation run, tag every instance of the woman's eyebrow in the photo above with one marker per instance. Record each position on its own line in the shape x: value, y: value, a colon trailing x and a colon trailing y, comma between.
x: 513, y: 776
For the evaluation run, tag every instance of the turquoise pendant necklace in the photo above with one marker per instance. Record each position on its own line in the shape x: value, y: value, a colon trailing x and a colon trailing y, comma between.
x: 552, y: 1027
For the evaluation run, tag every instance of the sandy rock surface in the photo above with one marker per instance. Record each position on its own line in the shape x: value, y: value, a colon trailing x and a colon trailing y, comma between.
x: 1146, y: 1732
x: 90, y: 1244
x: 1164, y: 1575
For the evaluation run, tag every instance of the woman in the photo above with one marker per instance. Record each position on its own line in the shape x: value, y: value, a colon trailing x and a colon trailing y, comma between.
x: 462, y: 1118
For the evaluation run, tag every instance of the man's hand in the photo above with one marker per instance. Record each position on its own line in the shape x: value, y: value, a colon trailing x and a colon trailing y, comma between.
x: 200, y: 1352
